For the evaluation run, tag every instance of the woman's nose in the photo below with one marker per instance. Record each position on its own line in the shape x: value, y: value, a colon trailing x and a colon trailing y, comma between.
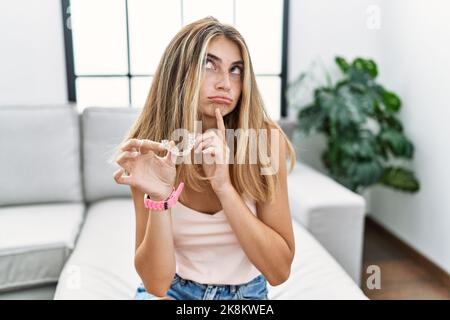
x: 224, y: 82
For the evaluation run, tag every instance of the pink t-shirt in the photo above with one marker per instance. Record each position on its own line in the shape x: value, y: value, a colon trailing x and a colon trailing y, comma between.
x: 206, y: 248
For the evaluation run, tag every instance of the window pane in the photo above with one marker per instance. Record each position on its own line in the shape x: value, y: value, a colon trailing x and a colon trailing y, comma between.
x: 151, y: 26
x: 102, y: 92
x: 270, y: 90
x: 197, y: 9
x: 99, y: 36
x: 261, y: 27
x: 140, y: 87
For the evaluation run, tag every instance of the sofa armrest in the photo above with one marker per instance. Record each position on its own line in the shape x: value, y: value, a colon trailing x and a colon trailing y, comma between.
x: 333, y: 214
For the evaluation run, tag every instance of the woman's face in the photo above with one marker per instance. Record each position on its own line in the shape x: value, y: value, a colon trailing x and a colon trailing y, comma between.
x: 222, y: 81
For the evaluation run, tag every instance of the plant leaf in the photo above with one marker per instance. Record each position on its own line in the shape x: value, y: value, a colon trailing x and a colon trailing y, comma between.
x: 371, y: 68
x: 392, y: 122
x: 342, y: 64
x: 363, y: 173
x: 366, y: 65
x: 391, y: 101
x: 396, y: 142
x: 359, y: 64
x: 401, y: 179
x: 310, y: 119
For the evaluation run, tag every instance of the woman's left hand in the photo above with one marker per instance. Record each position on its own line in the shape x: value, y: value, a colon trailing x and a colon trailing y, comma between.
x: 215, y: 155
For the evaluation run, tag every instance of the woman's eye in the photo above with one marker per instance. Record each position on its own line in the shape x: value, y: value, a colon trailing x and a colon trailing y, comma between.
x: 209, y: 64
x: 239, y: 70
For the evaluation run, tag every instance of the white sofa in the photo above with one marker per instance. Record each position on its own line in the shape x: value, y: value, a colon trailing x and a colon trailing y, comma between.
x: 67, y: 229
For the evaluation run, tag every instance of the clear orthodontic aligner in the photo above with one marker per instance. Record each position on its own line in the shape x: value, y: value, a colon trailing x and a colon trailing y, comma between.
x: 176, y: 151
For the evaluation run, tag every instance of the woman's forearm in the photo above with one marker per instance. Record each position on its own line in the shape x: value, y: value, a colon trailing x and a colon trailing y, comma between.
x: 155, y: 257
x: 264, y: 247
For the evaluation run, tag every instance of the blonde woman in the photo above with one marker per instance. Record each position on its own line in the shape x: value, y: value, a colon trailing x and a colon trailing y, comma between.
x: 230, y: 230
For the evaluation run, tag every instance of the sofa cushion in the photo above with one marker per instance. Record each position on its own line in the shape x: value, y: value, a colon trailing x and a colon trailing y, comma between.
x: 35, y: 242
x: 40, y: 156
x: 315, y: 274
x: 103, y: 265
x: 333, y: 214
x: 103, y: 130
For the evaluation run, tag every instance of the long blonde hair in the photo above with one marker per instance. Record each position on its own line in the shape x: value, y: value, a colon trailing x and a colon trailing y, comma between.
x: 172, y: 103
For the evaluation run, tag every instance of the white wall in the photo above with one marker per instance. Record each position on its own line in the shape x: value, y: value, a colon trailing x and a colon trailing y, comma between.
x: 32, y: 63
x: 412, y: 50
x: 416, y: 51
x: 319, y: 31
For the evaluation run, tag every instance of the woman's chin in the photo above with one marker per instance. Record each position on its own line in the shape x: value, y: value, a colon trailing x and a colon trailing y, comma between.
x: 223, y: 108
x: 211, y: 110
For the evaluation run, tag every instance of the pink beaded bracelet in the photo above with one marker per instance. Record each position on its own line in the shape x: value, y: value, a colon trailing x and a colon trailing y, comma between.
x: 165, y: 204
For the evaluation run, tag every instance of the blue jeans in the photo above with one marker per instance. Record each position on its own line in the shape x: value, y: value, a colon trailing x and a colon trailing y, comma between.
x: 182, y: 289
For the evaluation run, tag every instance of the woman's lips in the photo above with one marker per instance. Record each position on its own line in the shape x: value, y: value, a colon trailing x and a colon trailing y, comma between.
x: 220, y: 100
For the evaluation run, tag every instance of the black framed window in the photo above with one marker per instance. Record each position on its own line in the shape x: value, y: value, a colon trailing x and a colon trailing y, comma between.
x: 114, y: 46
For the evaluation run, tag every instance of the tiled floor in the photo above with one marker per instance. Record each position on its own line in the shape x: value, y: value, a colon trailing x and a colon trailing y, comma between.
x: 402, y: 277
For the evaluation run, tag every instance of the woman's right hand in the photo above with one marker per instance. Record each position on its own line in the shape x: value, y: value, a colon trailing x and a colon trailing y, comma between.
x: 147, y: 171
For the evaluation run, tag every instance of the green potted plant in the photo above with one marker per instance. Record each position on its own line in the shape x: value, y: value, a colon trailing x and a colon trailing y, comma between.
x: 366, y: 143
